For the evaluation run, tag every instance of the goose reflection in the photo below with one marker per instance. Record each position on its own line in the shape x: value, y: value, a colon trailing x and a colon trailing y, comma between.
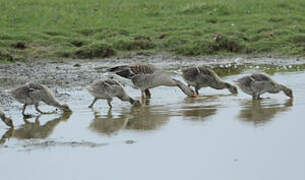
x: 148, y: 117
x: 198, y: 112
x: 108, y: 124
x: 259, y: 113
x: 206, y: 107
x: 135, y: 118
x: 34, y: 130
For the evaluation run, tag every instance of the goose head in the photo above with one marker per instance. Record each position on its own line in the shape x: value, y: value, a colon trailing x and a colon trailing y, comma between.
x: 288, y: 92
x: 65, y: 108
x: 8, y: 121
x: 194, y: 94
x: 231, y: 88
x: 136, y: 103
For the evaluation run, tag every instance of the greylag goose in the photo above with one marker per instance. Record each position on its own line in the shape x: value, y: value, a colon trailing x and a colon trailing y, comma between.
x: 8, y: 121
x: 146, y: 76
x: 257, y: 84
x: 199, y: 77
x: 128, y: 71
x: 33, y: 93
x: 160, y: 78
x: 108, y: 89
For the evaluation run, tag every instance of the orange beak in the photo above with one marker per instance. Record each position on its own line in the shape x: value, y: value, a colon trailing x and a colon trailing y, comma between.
x: 195, y: 95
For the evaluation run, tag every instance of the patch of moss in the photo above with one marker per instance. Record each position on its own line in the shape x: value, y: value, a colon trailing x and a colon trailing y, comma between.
x: 5, y: 56
x: 19, y: 45
x: 212, y: 46
x: 95, y: 50
x: 133, y: 44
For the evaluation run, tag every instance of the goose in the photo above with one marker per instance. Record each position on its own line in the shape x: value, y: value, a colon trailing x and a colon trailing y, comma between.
x: 199, y: 77
x: 8, y: 121
x: 128, y: 71
x: 160, y: 78
x: 108, y: 89
x: 258, y: 84
x: 33, y: 94
x: 147, y: 76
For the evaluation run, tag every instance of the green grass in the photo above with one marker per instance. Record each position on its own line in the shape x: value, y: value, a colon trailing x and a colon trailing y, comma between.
x: 33, y: 29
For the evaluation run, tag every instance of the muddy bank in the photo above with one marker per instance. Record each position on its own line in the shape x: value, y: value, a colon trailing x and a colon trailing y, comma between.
x: 78, y: 73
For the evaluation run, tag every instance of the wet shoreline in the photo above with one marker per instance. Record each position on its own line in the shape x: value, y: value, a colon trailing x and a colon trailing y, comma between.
x: 79, y: 73
x: 215, y: 128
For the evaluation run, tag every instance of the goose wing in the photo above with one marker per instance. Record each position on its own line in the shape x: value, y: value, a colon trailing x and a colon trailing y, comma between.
x: 131, y: 70
x: 107, y: 88
x: 262, y: 83
x: 260, y: 77
x: 190, y: 74
x: 207, y: 75
x: 39, y: 92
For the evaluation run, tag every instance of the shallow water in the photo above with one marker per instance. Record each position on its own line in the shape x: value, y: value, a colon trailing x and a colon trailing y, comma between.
x: 216, y: 136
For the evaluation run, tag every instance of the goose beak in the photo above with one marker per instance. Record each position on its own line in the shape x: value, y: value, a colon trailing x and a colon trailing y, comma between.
x: 195, y: 95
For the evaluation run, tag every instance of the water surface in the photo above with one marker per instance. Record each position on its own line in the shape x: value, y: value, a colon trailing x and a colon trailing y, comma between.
x: 216, y: 136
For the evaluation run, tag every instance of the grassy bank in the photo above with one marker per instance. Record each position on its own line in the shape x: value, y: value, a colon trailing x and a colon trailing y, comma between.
x: 32, y: 29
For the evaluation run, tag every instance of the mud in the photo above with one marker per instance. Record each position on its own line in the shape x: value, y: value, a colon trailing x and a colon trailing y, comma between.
x: 78, y: 73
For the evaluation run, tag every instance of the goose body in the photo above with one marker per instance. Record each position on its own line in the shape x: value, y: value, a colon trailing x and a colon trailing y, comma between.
x: 108, y: 89
x: 129, y: 71
x: 160, y: 78
x: 33, y: 94
x: 258, y: 84
x: 147, y: 76
x: 8, y: 121
x: 199, y: 77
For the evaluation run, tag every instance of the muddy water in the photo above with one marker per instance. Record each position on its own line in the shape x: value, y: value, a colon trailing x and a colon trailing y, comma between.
x: 216, y: 136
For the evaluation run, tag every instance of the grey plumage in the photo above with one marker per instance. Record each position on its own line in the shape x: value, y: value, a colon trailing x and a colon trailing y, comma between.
x: 146, y: 76
x: 258, y: 84
x: 33, y: 94
x: 199, y: 77
x: 159, y: 78
x: 108, y: 89
x: 129, y: 71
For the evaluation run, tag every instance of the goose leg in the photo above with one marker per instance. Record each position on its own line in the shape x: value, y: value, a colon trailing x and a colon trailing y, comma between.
x: 23, y: 112
x: 197, y: 90
x: 255, y: 96
x: 25, y: 120
x: 23, y: 109
x: 41, y: 112
x: 109, y: 103
x: 93, y: 102
x: 37, y: 122
x: 147, y: 93
x: 258, y: 97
